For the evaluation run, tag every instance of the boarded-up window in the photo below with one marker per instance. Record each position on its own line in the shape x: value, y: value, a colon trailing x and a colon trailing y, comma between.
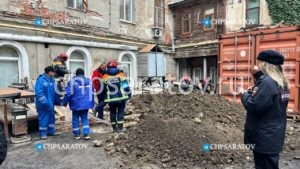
x: 127, y: 10
x: 159, y: 13
x: 252, y: 12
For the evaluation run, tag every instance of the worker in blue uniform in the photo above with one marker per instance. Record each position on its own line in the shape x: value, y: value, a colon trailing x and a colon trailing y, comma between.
x: 116, y: 93
x: 266, y: 105
x: 44, y: 101
x: 80, y: 96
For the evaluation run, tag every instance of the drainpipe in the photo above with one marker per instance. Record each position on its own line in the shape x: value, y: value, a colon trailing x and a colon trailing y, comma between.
x: 41, y: 39
x: 71, y: 34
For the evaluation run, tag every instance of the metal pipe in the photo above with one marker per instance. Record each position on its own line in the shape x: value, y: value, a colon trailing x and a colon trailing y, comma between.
x: 41, y: 39
x: 72, y: 34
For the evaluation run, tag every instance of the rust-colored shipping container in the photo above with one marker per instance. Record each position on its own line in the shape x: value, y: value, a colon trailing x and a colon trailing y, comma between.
x: 237, y: 59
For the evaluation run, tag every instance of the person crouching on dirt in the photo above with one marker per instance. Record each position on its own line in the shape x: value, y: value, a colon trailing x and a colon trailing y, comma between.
x: 80, y: 96
x: 185, y: 84
x: 117, y: 92
x: 97, y: 78
x: 266, y: 105
x: 44, y: 101
x: 60, y: 69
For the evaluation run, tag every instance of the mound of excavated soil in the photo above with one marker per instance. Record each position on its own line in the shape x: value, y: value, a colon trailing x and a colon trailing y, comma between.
x: 171, y: 130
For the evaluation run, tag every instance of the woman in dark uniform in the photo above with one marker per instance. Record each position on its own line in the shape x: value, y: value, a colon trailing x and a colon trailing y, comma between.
x: 266, y: 105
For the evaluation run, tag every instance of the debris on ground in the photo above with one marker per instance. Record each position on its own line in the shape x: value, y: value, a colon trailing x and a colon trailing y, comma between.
x: 169, y: 131
x: 98, y: 143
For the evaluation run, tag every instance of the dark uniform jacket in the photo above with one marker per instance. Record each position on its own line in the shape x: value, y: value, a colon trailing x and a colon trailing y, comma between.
x: 60, y: 68
x: 3, y: 145
x: 116, y: 86
x: 266, y: 106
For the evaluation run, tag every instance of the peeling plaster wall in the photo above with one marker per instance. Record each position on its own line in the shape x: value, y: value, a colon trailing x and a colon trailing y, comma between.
x: 57, y: 14
x: 236, y: 8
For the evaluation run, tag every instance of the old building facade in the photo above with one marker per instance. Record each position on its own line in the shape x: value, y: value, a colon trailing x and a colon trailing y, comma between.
x: 198, y: 25
x: 196, y: 38
x: 33, y: 32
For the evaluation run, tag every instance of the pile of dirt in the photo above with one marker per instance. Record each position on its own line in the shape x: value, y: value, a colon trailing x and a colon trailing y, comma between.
x: 170, y: 130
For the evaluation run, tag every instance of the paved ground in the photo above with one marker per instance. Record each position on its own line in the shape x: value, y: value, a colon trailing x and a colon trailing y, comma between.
x: 27, y: 156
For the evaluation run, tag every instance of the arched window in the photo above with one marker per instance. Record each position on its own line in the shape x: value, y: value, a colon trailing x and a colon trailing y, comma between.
x: 128, y: 61
x: 77, y: 61
x: 9, y: 63
x: 127, y: 65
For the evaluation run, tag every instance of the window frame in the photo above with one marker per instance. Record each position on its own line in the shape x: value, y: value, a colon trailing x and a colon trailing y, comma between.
x: 247, y: 9
x: 132, y: 13
x: 17, y: 59
x: 84, y: 61
x: 182, y: 24
x: 212, y: 25
x: 74, y: 7
x: 159, y: 7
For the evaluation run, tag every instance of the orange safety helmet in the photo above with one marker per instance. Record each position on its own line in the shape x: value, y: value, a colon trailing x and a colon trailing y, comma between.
x: 112, y: 64
x: 63, y: 56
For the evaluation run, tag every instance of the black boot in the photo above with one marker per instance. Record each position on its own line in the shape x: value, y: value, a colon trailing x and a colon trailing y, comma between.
x: 114, y: 126
x: 121, y: 128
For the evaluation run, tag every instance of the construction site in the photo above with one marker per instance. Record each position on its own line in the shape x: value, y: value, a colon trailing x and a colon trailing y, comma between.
x: 164, y: 131
x: 156, y: 84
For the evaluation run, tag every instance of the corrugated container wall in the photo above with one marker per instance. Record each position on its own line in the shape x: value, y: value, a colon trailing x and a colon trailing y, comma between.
x: 237, y: 59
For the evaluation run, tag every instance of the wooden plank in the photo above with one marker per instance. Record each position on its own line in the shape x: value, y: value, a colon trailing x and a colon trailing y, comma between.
x: 59, y: 112
x: 9, y: 93
x: 15, y: 93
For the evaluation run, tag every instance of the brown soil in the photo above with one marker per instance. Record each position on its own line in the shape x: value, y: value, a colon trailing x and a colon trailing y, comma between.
x: 172, y: 129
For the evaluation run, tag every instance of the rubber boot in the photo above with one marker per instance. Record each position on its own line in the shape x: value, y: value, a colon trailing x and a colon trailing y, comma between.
x: 114, y: 126
x: 121, y: 128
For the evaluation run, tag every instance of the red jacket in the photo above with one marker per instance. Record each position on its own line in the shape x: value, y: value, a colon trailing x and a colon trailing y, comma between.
x: 95, y: 77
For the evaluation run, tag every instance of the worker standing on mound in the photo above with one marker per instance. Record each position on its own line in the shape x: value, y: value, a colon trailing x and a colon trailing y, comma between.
x: 266, y: 105
x: 116, y: 93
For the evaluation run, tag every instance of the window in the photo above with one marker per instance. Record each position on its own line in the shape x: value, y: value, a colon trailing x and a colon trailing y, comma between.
x: 186, y: 22
x: 197, y: 74
x: 208, y: 19
x: 127, y: 10
x: 9, y: 63
x: 126, y: 63
x: 76, y: 61
x: 76, y: 4
x: 252, y: 12
x: 159, y: 14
